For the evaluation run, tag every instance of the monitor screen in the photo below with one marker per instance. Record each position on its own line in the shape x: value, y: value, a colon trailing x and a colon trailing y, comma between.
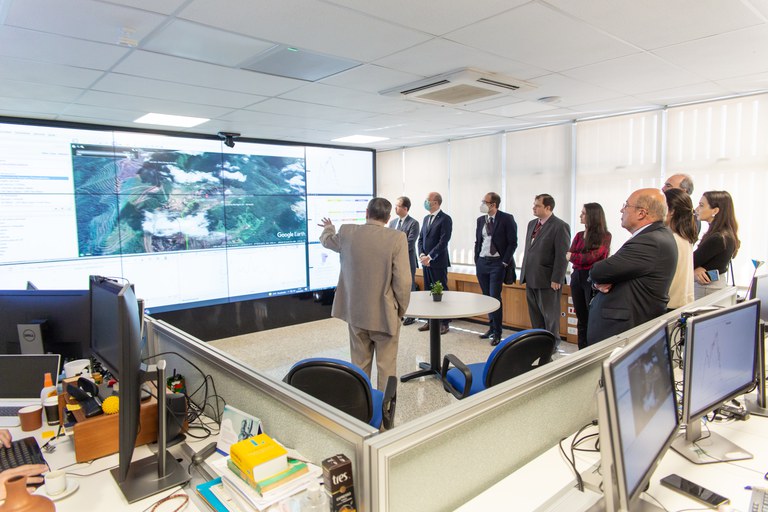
x: 760, y: 291
x: 67, y: 316
x: 159, y: 208
x: 720, y: 356
x: 642, y: 409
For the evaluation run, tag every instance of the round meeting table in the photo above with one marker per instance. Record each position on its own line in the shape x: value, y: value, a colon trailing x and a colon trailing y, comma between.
x: 453, y: 305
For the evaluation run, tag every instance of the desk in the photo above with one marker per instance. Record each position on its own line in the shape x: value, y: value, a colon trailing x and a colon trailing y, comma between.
x: 547, y: 482
x: 98, y: 490
x: 453, y: 305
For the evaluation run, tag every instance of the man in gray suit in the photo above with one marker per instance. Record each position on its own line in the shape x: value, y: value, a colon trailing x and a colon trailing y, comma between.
x: 410, y: 226
x: 544, y: 263
x: 374, y: 286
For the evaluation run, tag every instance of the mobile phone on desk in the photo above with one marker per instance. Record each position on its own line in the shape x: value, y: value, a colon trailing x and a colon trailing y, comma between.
x: 692, y: 490
x: 714, y: 275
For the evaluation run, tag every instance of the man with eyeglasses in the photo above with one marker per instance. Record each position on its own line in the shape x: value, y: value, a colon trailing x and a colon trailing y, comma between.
x: 633, y: 284
x: 495, y: 245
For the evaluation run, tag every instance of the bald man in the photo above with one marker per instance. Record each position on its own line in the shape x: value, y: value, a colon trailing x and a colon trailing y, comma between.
x: 633, y: 284
x: 682, y: 181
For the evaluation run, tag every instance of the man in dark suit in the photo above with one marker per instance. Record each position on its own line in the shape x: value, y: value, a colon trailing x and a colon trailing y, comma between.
x: 547, y: 239
x: 410, y: 227
x: 495, y: 245
x: 634, y: 282
x: 433, y: 248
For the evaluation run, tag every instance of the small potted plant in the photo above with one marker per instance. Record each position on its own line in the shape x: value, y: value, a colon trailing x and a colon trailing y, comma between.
x: 436, y: 291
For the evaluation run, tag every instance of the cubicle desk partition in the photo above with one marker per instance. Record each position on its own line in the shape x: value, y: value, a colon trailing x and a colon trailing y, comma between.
x: 513, y: 300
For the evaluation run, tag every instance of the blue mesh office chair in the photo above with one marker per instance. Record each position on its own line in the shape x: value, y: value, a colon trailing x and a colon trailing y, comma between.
x: 515, y: 355
x: 346, y: 387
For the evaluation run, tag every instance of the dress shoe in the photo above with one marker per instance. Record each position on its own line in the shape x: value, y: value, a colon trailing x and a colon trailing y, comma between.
x: 495, y: 339
x: 443, y: 329
x: 424, y: 327
x: 487, y: 334
x: 408, y: 320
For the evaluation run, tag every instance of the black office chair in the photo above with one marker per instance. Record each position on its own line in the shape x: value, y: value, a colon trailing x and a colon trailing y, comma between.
x: 346, y: 387
x: 515, y: 355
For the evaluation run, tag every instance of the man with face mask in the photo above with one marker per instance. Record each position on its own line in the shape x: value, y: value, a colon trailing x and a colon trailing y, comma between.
x: 495, y: 245
x: 433, y: 241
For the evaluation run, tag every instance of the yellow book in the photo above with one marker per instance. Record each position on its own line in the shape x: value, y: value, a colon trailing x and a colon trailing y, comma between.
x: 295, y: 469
x: 259, y: 457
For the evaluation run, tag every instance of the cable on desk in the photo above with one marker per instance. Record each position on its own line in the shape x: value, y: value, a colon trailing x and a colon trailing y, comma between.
x: 660, y: 504
x: 572, y: 460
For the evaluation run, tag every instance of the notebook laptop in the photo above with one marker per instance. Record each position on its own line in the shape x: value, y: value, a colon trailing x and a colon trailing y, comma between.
x: 22, y: 381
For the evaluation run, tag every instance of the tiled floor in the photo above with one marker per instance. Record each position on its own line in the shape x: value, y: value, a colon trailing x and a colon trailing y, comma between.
x: 273, y: 352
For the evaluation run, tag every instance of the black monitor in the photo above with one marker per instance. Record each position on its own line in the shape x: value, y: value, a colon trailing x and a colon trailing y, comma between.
x: 116, y: 341
x: 637, y: 417
x: 759, y: 290
x: 719, y: 364
x: 63, y: 318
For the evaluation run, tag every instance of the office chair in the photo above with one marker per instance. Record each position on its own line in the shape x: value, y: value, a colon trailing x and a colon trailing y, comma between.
x: 515, y: 355
x: 346, y: 387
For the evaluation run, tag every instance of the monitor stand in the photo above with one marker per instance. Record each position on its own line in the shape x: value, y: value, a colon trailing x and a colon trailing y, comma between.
x: 757, y: 404
x: 156, y: 473
x: 709, y: 449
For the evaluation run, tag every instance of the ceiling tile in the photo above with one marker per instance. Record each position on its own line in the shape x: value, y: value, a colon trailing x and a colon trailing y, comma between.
x: 655, y: 23
x: 539, y: 35
x: 56, y: 93
x: 728, y: 55
x: 31, y: 71
x: 322, y: 27
x: 690, y: 92
x: 107, y: 99
x: 175, y: 69
x: 432, y: 17
x: 634, y: 74
x: 519, y: 109
x: 28, y: 44
x: 346, y: 98
x: 307, y: 110
x: 136, y: 86
x: 198, y: 42
x: 370, y: 78
x: 84, y: 19
x: 161, y: 6
x: 748, y: 83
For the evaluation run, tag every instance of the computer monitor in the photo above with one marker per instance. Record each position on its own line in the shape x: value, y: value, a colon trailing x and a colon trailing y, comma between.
x: 637, y: 418
x: 59, y: 322
x: 718, y: 364
x: 116, y: 341
x: 759, y: 290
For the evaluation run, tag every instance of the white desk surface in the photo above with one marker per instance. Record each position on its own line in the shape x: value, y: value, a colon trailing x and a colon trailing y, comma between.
x: 453, y: 305
x: 98, y: 490
x: 547, y: 482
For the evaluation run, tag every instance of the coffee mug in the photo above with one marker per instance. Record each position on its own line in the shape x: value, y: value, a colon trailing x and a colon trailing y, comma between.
x: 55, y: 482
x: 78, y: 367
x: 31, y: 417
x: 51, y: 406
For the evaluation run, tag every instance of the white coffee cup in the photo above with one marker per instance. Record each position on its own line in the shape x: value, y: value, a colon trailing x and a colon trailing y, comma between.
x: 78, y: 367
x: 55, y: 482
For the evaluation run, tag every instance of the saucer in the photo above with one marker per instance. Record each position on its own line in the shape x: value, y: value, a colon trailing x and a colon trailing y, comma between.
x: 72, y: 486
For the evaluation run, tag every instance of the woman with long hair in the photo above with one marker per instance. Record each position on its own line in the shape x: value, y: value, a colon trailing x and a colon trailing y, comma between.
x: 588, y: 247
x: 682, y: 222
x: 718, y: 245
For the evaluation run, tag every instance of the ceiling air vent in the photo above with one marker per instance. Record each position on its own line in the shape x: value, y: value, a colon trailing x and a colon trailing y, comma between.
x: 459, y: 87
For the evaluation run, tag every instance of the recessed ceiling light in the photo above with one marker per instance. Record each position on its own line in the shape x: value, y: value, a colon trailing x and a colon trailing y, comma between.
x: 360, y: 139
x: 169, y: 120
x: 550, y: 99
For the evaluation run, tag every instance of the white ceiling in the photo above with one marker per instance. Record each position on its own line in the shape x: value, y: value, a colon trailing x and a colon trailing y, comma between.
x: 110, y: 62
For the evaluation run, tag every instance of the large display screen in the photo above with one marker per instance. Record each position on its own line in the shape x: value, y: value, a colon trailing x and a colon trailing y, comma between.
x: 188, y: 220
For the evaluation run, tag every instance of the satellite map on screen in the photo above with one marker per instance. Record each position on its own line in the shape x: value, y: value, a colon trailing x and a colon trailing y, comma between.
x: 138, y: 200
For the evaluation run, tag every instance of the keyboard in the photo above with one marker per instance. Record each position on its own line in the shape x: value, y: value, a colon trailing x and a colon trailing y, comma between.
x: 22, y: 451
x: 9, y: 410
x: 759, y: 501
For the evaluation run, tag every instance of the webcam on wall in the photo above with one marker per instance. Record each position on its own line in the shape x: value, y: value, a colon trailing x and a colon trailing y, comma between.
x: 228, y: 138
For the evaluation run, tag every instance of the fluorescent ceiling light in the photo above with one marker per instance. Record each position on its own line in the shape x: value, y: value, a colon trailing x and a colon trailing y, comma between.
x: 169, y: 120
x: 360, y: 139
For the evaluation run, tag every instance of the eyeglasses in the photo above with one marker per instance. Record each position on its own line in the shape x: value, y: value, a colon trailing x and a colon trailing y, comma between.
x: 486, y: 202
x: 627, y: 205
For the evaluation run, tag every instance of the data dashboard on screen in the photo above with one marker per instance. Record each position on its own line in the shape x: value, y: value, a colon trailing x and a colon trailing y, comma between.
x: 186, y: 219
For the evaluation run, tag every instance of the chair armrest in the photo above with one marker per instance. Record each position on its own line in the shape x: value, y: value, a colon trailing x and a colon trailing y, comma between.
x: 449, y: 359
x: 389, y: 403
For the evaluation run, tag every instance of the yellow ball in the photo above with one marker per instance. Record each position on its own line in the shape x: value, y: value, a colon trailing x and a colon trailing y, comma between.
x: 111, y: 405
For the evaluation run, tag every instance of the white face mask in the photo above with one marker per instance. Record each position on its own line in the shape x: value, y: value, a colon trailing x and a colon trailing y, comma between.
x: 483, y: 208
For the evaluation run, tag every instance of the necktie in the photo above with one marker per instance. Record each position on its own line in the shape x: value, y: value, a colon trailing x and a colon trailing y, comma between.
x: 536, y: 230
x: 429, y: 222
x: 489, y: 230
x: 399, y: 224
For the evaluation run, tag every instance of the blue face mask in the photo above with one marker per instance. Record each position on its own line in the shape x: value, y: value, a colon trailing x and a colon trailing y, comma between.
x: 427, y: 204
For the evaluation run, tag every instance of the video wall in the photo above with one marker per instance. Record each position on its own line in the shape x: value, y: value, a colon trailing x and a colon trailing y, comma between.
x: 188, y: 220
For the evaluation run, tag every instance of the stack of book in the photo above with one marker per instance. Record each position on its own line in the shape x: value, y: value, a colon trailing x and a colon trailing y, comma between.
x: 235, y: 492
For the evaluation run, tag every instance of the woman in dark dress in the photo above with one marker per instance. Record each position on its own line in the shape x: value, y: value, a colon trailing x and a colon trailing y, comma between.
x: 718, y: 245
x: 588, y: 247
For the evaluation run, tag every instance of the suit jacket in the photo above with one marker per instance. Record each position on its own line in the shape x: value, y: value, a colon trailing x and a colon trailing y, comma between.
x: 504, y: 237
x: 640, y: 272
x: 410, y: 227
x: 544, y: 260
x: 375, y: 279
x: 433, y: 240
